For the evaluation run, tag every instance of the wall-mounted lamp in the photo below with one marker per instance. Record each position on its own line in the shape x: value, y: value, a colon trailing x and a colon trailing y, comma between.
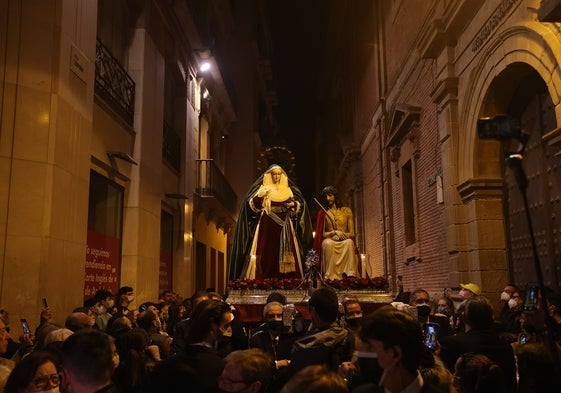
x: 122, y: 156
x: 176, y: 196
x: 204, y: 70
x: 205, y: 66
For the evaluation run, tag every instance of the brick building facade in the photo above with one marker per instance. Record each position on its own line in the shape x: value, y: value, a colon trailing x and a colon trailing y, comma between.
x: 439, y: 205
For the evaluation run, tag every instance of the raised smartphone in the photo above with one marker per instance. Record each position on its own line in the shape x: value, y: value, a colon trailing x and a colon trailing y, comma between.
x: 431, y: 331
x: 531, y: 303
x: 25, y: 326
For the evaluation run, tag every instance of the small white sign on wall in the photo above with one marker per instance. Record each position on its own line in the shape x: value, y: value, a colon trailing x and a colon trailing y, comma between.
x: 78, y: 63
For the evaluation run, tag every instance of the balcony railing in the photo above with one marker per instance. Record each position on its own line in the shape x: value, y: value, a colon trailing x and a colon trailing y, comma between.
x: 212, y: 183
x: 113, y: 84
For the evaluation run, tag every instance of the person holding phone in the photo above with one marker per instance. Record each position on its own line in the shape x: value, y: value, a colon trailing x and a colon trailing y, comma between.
x: 481, y: 337
x: 397, y: 340
x: 420, y: 299
x: 512, y: 318
x: 430, y: 341
x: 271, y: 336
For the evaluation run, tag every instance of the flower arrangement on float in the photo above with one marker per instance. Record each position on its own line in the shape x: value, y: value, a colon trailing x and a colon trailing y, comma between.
x: 312, y: 269
x: 268, y: 284
x: 358, y: 283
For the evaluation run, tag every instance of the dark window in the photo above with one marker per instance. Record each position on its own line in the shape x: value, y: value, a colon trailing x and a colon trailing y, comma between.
x: 408, y: 203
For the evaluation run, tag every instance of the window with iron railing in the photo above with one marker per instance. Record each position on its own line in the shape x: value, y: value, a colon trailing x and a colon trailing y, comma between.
x: 113, y: 84
x: 212, y: 183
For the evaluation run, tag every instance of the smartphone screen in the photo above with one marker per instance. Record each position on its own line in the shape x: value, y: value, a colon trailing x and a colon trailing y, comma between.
x: 25, y: 326
x: 288, y: 312
x: 523, y: 339
x: 431, y: 331
x: 531, y: 303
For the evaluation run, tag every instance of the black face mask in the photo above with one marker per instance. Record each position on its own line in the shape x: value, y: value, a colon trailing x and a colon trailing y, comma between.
x: 354, y: 322
x: 423, y: 311
x: 275, y: 326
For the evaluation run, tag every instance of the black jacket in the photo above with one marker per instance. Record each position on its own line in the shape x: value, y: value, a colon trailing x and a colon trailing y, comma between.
x: 330, y: 346
x: 486, y: 342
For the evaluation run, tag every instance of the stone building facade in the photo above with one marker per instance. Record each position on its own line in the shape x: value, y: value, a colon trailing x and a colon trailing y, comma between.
x: 117, y: 149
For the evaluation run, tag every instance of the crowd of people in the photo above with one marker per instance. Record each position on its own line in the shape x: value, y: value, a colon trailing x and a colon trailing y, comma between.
x: 200, y: 344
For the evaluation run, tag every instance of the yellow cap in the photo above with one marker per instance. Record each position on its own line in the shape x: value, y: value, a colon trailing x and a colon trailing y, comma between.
x: 472, y: 288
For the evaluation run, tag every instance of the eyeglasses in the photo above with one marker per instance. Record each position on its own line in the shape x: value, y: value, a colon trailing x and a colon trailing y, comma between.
x: 43, y: 382
x: 227, y: 382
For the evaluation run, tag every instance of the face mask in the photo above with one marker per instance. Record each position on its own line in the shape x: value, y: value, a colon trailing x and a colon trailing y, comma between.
x: 442, y: 310
x: 512, y: 303
x: 505, y: 296
x: 130, y: 299
x: 423, y: 311
x: 275, y: 325
x: 53, y: 390
x: 110, y: 304
x: 354, y: 322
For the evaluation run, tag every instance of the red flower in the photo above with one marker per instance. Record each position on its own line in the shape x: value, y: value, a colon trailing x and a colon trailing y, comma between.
x: 276, y: 283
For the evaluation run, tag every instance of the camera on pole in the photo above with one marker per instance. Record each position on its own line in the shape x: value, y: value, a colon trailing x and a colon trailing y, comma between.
x: 501, y: 127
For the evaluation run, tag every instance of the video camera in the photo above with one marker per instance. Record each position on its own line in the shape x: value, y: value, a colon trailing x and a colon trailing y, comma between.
x: 501, y: 127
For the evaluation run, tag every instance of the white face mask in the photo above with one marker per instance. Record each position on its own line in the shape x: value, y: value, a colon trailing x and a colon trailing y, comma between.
x: 512, y: 303
x: 505, y: 296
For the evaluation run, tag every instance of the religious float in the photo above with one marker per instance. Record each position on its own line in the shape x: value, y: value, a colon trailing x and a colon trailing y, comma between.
x: 249, y: 296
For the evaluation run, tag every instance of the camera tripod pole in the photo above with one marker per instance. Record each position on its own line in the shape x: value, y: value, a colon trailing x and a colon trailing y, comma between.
x: 514, y: 161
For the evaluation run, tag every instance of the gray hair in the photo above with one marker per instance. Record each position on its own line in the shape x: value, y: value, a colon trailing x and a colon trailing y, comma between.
x: 268, y: 307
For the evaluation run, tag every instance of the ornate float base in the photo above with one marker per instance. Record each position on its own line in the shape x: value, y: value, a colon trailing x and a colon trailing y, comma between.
x: 258, y: 296
x: 249, y: 303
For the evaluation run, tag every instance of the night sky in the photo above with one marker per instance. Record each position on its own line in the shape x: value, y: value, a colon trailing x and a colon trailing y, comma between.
x: 298, y: 29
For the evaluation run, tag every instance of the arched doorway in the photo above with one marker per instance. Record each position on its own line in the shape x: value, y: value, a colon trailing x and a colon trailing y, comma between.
x: 519, y: 91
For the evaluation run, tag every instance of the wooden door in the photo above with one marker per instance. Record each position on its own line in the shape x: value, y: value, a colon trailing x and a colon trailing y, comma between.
x: 543, y: 173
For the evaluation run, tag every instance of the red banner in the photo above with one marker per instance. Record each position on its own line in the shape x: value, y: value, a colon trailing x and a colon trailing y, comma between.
x: 103, y: 255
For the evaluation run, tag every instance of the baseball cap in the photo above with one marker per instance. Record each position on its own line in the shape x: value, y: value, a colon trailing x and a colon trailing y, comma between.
x: 471, y: 287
